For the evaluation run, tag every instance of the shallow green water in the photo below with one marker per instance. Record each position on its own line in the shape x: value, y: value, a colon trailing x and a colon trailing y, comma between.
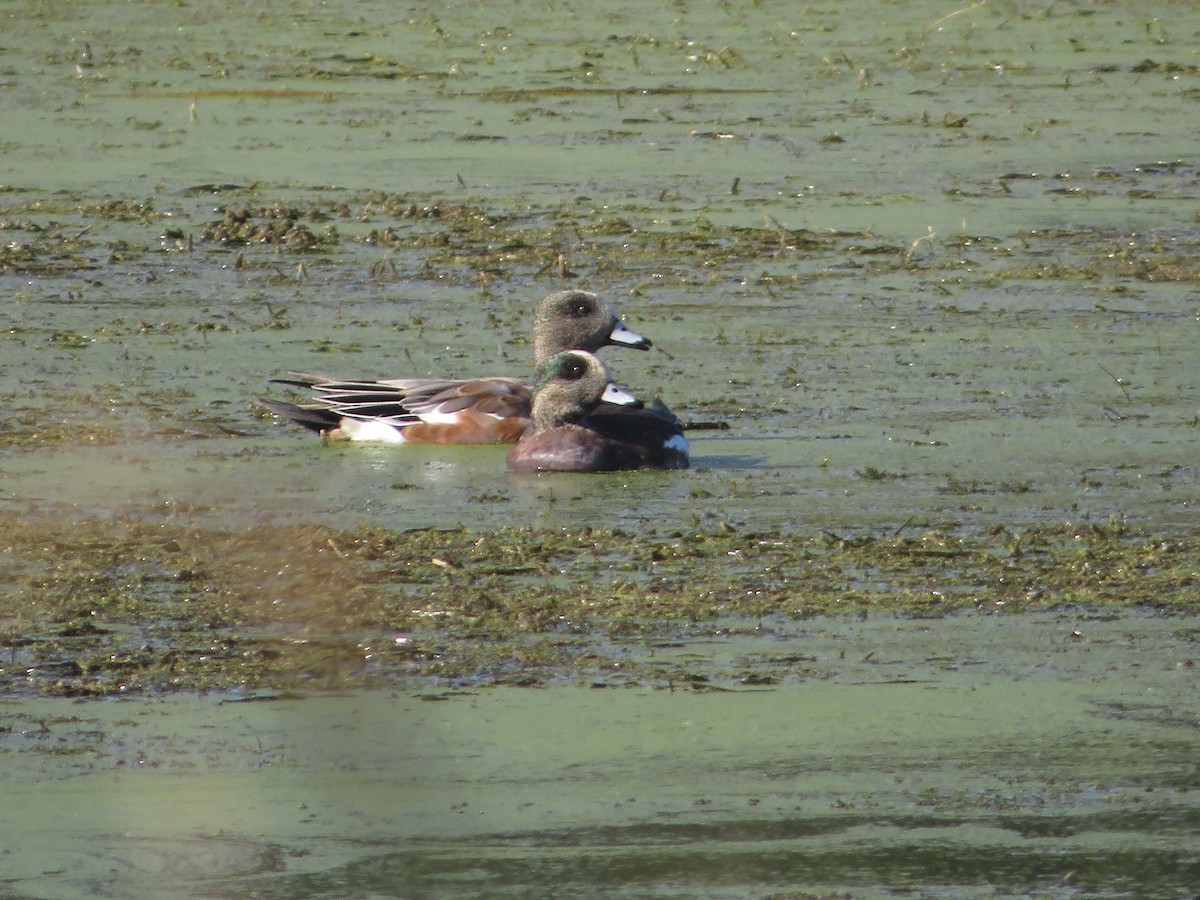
x: 1041, y: 283
x: 934, y: 265
x: 911, y: 759
x: 1040, y: 349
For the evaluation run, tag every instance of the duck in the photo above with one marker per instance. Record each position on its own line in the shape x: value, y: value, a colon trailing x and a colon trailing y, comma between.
x: 494, y: 409
x: 582, y: 422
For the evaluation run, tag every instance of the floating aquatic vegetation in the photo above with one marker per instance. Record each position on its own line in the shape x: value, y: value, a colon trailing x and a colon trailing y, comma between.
x: 100, y: 607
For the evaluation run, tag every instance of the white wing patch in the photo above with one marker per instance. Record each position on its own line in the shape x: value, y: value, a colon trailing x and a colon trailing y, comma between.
x: 433, y: 417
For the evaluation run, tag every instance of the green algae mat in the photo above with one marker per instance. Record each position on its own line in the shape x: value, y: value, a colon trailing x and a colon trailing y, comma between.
x: 921, y: 618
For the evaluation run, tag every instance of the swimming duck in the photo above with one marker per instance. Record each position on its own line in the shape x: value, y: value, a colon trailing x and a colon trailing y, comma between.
x: 582, y: 422
x: 455, y: 411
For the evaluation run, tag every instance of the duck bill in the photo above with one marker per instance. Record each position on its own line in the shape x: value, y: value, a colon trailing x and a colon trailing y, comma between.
x: 625, y: 337
x: 618, y: 396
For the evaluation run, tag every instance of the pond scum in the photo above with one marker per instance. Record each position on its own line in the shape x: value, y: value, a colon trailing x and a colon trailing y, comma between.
x: 110, y: 606
x: 107, y: 607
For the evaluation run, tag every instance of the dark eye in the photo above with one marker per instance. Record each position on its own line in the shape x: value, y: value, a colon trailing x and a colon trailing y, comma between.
x: 581, y: 309
x: 574, y: 370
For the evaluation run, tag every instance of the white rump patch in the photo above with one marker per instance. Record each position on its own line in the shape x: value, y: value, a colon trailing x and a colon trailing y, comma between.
x: 371, y: 430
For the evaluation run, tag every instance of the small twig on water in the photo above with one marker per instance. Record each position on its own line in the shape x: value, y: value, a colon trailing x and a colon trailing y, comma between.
x: 958, y: 12
x: 1120, y: 382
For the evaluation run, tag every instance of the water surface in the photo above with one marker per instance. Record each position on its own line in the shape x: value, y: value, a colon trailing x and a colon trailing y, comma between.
x: 912, y: 758
x: 933, y: 266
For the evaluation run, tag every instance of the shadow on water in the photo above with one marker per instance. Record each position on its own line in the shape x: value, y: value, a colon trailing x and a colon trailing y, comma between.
x: 732, y: 461
x: 652, y: 862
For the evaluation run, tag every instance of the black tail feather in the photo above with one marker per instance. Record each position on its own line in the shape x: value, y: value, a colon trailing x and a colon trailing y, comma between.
x: 318, y: 420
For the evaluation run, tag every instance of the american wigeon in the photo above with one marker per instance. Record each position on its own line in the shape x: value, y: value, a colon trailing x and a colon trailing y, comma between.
x: 570, y: 431
x: 455, y: 411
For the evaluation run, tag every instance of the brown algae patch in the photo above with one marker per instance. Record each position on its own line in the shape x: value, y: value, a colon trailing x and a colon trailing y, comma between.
x: 107, y: 606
